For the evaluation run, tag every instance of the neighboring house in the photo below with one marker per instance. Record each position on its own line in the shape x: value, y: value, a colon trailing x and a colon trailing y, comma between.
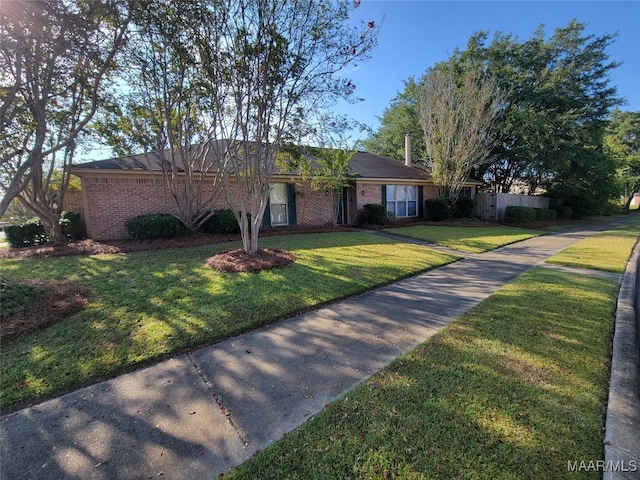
x: 120, y: 188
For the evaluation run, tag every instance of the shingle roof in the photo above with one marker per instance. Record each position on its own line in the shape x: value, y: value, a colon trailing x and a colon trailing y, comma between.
x: 363, y: 165
x: 370, y: 165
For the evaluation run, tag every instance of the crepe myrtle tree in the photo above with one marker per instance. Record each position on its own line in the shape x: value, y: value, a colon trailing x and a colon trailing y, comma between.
x: 326, y: 165
x: 54, y: 58
x: 457, y: 117
x: 270, y: 67
x: 162, y: 109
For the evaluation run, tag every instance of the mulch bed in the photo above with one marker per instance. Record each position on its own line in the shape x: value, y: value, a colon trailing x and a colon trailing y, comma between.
x: 61, y: 300
x: 235, y: 261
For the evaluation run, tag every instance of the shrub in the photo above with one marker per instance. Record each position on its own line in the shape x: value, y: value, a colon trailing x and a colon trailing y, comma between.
x: 543, y: 214
x: 373, y: 214
x: 72, y: 225
x: 464, y: 207
x: 517, y: 214
x: 27, y: 234
x: 153, y: 225
x: 439, y: 209
x: 563, y: 212
x: 222, y: 221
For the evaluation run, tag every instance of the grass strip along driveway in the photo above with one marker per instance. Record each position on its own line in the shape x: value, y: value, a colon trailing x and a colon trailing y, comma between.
x: 514, y: 389
x: 146, y: 305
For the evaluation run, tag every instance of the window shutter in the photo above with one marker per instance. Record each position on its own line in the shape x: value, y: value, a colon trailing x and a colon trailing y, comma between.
x: 383, y: 196
x: 420, y: 201
x: 291, y: 200
x: 266, y: 218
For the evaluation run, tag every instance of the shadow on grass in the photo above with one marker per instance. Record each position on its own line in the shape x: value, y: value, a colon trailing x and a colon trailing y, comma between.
x: 152, y: 304
x: 515, y: 389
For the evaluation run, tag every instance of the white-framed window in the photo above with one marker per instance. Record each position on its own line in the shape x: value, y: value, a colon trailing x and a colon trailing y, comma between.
x: 402, y: 200
x: 278, y: 204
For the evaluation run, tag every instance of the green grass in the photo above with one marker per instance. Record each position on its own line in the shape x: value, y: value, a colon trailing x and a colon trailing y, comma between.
x: 147, y: 305
x: 515, y: 389
x: 608, y: 251
x: 467, y: 239
x: 17, y: 297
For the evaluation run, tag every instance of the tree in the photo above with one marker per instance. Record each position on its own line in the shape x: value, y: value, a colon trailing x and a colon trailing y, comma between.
x: 326, y: 166
x: 163, y: 107
x: 400, y: 118
x: 559, y: 98
x: 270, y: 67
x: 622, y: 144
x: 54, y: 57
x: 457, y: 120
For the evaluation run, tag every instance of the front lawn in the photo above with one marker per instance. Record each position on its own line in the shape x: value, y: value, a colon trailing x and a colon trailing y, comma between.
x: 608, y: 251
x: 467, y: 239
x: 515, y: 389
x: 147, y: 305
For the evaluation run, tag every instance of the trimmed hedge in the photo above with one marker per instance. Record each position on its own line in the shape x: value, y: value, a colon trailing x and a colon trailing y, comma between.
x: 153, y: 225
x: 464, y: 207
x: 517, y: 214
x: 222, y: 222
x: 32, y: 233
x: 373, y: 214
x: 439, y: 209
x: 545, y: 214
x: 28, y: 234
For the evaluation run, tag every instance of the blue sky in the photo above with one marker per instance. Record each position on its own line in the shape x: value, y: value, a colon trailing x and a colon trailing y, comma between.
x: 417, y: 34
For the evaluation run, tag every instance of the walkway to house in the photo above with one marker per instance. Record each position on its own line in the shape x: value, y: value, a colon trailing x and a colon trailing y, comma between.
x: 200, y: 414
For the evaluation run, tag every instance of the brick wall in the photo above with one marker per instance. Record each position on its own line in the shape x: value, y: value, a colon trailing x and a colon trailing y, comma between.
x: 313, y: 207
x: 73, y: 202
x: 368, y: 193
x: 109, y: 202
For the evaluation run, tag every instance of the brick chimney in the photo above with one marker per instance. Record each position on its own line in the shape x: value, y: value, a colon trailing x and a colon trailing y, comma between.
x: 407, y: 149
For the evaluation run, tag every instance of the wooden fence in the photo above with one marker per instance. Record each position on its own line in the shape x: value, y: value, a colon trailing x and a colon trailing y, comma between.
x: 490, y: 207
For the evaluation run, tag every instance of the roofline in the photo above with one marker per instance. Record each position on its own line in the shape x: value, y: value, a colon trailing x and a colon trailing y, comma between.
x: 146, y: 174
x: 119, y: 173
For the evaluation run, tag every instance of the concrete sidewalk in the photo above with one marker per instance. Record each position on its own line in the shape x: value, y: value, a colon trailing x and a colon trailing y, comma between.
x: 200, y: 414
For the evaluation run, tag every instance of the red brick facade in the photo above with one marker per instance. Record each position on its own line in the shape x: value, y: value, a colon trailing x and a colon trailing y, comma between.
x: 107, y: 202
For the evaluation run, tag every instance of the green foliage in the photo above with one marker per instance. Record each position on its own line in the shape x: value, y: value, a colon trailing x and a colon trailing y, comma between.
x: 72, y: 225
x: 17, y: 297
x: 563, y: 212
x: 439, y: 209
x: 27, y: 234
x: 464, y: 207
x: 544, y: 214
x: 372, y: 214
x: 622, y: 145
x: 32, y: 232
x: 518, y: 214
x: 559, y: 97
x: 153, y: 225
x: 222, y: 221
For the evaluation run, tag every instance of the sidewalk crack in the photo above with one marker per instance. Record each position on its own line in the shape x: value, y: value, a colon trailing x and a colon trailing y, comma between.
x: 224, y: 411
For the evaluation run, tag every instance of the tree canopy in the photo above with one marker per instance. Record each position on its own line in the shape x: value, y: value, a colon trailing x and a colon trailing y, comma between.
x: 54, y: 57
x: 622, y: 145
x: 550, y: 134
